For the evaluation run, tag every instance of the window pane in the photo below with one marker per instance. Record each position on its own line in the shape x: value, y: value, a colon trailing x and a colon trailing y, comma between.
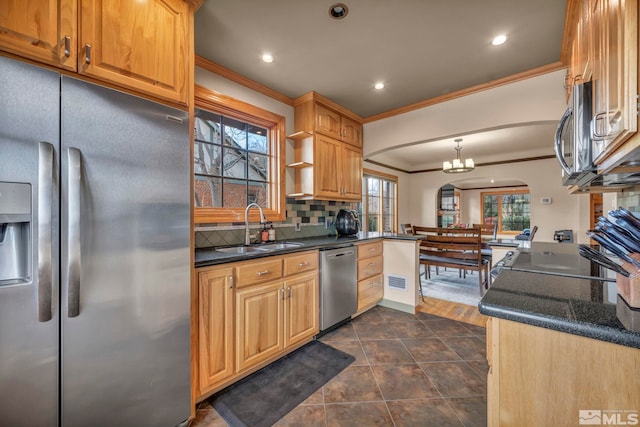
x: 207, y: 158
x: 258, y: 193
x: 234, y: 193
x: 257, y: 138
x: 207, y: 192
x: 235, y: 163
x: 235, y: 133
x: 207, y: 126
x: 258, y: 167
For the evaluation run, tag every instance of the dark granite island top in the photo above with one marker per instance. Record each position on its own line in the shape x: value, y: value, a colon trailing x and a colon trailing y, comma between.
x: 589, y: 308
x: 209, y: 256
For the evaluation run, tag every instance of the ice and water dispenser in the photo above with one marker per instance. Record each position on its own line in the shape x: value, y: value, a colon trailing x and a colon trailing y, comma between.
x: 15, y: 233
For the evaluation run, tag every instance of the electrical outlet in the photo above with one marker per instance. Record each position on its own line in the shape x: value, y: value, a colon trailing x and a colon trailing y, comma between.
x: 297, y: 226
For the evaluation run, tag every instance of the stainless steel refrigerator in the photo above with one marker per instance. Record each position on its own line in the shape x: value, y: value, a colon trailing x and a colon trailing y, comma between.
x: 94, y: 254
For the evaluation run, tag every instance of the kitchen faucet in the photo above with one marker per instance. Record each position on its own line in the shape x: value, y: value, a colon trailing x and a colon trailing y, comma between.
x: 247, y: 240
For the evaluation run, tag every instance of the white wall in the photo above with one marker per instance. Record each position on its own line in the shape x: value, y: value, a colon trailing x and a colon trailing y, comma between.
x: 543, y: 179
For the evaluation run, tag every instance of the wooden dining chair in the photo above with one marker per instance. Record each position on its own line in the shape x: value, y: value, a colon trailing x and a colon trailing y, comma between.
x: 406, y: 228
x: 488, y: 230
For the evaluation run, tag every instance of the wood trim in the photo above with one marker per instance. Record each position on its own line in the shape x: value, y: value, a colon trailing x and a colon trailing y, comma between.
x: 231, y: 107
x: 382, y: 174
x: 195, y: 4
x: 555, y: 66
x: 242, y: 80
x: 500, y: 162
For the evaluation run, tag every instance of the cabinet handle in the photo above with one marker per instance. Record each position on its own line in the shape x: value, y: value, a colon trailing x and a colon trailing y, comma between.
x: 372, y: 264
x: 282, y: 292
x: 616, y: 115
x: 67, y: 46
x: 303, y: 264
x: 230, y: 282
x: 289, y: 292
x: 262, y: 273
x: 372, y: 284
x: 371, y: 249
x: 87, y: 53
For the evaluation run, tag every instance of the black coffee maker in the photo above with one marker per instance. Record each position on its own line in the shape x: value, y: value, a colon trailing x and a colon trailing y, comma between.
x: 347, y: 222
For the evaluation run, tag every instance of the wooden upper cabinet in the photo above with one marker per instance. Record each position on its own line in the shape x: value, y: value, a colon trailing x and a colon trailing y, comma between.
x: 42, y: 30
x: 145, y: 46
x: 351, y: 131
x: 139, y: 45
x: 327, y: 121
x: 351, y: 173
x: 615, y: 26
x: 327, y: 166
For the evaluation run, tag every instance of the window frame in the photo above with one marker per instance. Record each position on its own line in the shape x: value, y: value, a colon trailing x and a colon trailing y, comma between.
x: 499, y: 194
x: 365, y: 195
x: 217, y: 103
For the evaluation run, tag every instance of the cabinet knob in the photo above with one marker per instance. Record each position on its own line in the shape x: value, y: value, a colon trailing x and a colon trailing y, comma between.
x: 67, y: 46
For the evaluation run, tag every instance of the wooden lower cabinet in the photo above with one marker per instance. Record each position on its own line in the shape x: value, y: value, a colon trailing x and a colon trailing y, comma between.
x: 246, y: 321
x: 301, y: 309
x: 369, y: 291
x: 541, y: 377
x: 215, y: 326
x: 370, y: 277
x: 259, y: 331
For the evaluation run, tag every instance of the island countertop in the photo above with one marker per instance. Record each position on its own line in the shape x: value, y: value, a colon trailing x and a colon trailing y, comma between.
x: 589, y: 308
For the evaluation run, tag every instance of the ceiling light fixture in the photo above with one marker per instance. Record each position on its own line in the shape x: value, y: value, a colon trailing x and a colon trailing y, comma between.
x: 267, y: 57
x: 379, y: 85
x: 498, y: 40
x: 457, y: 166
x: 338, y: 10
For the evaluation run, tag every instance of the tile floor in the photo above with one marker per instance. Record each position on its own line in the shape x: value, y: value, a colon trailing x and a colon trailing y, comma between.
x: 420, y: 370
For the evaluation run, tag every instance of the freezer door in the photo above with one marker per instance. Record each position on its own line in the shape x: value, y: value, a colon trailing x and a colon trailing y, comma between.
x: 125, y: 249
x: 29, y: 144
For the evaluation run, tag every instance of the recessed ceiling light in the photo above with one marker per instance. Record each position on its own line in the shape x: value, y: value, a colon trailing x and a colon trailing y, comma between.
x: 267, y: 57
x: 498, y: 40
x: 379, y: 85
x: 338, y: 10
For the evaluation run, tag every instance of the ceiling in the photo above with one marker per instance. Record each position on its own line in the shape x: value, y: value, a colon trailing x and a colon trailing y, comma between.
x: 420, y: 49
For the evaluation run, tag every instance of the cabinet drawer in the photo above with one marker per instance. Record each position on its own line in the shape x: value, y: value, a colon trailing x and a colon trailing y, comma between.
x: 370, y: 291
x: 300, y: 263
x: 370, y: 249
x: 369, y: 267
x: 258, y: 272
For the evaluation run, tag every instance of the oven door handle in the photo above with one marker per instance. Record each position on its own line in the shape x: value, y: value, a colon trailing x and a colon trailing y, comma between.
x: 558, y: 140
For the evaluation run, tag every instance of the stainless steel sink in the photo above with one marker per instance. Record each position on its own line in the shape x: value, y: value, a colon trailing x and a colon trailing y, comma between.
x: 283, y: 245
x: 241, y: 249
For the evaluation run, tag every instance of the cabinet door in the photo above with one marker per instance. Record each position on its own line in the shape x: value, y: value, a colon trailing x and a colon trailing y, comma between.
x: 370, y: 291
x: 42, y: 30
x: 259, y: 328
x: 351, y: 173
x: 327, y: 121
x: 351, y: 132
x: 327, y: 165
x: 614, y: 116
x: 301, y: 308
x: 215, y: 326
x: 142, y: 45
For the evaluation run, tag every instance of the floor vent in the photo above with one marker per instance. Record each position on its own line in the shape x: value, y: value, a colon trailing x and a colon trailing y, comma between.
x: 397, y: 282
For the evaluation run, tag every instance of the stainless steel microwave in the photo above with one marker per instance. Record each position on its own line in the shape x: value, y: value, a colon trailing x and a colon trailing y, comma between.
x: 573, y: 142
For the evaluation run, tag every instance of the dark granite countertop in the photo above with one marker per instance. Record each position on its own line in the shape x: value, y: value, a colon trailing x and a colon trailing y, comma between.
x: 586, y: 307
x: 209, y: 256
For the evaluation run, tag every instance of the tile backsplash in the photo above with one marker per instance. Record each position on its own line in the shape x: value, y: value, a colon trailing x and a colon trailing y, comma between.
x: 316, y: 218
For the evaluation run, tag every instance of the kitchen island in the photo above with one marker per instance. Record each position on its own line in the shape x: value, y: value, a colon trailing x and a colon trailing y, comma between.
x: 561, y: 350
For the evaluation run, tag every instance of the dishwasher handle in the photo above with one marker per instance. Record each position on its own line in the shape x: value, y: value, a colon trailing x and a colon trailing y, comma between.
x: 339, y: 254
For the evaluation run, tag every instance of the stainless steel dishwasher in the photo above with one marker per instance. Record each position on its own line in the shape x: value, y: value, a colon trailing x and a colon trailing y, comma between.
x: 338, y: 285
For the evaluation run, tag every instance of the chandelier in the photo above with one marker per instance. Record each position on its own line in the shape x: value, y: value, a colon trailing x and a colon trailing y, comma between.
x: 457, y: 166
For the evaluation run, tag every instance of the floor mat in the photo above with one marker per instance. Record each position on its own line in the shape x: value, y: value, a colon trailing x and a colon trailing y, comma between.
x: 264, y: 397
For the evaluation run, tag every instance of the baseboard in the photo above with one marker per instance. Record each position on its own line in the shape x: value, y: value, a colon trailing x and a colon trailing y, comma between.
x: 407, y: 308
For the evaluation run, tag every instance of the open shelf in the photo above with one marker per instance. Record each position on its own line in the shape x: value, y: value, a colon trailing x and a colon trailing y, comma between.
x: 299, y: 195
x: 297, y: 136
x: 299, y: 165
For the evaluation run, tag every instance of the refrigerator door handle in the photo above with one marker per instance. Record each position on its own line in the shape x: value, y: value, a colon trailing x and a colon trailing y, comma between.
x: 45, y: 202
x: 73, y: 231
